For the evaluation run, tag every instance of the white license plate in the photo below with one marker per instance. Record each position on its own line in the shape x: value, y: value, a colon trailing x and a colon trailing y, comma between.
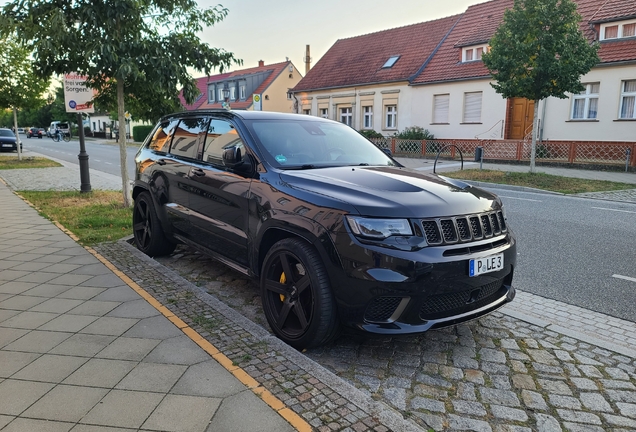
x: 7, y: 145
x: 487, y: 264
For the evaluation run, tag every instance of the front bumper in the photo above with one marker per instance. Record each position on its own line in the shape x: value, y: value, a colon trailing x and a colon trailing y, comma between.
x: 389, y: 291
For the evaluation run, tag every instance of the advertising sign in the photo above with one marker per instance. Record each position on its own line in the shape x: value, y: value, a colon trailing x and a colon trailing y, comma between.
x: 257, y: 102
x: 76, y: 95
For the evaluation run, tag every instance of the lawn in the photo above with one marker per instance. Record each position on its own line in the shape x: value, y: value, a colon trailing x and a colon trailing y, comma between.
x: 8, y: 162
x: 94, y: 217
x: 566, y: 185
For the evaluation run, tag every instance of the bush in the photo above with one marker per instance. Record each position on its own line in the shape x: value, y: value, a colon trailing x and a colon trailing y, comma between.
x: 415, y: 133
x: 141, y: 132
x: 370, y: 133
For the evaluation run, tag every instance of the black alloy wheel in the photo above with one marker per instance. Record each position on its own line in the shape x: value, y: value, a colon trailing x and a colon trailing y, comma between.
x: 297, y: 299
x: 149, y: 236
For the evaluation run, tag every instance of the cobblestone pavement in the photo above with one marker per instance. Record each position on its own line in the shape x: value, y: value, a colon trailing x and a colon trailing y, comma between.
x: 628, y: 195
x: 500, y: 373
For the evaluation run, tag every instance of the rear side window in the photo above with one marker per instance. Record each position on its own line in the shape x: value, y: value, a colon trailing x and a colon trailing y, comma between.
x: 160, y: 141
x: 188, y: 136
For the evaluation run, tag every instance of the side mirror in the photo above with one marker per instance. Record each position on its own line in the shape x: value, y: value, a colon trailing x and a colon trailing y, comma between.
x: 232, y: 157
x: 388, y: 152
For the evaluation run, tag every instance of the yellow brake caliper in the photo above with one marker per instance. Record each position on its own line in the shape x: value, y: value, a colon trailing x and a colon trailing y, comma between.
x: 282, y: 280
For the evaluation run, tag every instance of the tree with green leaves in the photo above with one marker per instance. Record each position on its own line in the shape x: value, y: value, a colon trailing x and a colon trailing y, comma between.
x: 132, y: 51
x: 20, y: 87
x: 539, y: 51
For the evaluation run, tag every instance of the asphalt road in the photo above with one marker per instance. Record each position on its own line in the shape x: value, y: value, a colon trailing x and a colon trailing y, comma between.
x: 101, y: 156
x: 576, y: 250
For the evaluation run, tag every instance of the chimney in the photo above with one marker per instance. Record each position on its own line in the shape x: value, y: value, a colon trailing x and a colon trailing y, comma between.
x: 261, y: 63
x: 307, y: 59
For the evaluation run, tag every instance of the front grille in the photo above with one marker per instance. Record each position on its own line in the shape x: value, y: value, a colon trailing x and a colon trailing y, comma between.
x: 382, y: 308
x: 463, y: 229
x: 444, y: 305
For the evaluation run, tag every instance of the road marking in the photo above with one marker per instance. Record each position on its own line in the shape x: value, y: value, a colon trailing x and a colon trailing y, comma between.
x: 616, y: 210
x: 108, y: 163
x: 624, y: 277
x: 522, y: 199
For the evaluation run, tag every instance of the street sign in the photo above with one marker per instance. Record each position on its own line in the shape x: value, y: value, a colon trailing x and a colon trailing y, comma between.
x: 256, y: 99
x: 77, y: 96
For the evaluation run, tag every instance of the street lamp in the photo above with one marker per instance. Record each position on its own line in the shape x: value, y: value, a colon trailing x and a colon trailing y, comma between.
x: 226, y: 97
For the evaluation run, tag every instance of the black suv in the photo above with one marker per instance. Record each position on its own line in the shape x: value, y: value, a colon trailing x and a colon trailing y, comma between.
x: 335, y: 229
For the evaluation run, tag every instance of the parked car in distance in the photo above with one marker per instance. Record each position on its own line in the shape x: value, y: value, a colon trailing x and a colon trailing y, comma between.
x: 34, y: 132
x: 336, y: 231
x: 20, y: 130
x: 8, y: 140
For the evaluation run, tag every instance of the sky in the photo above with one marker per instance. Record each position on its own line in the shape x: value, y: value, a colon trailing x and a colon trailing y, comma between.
x: 271, y: 30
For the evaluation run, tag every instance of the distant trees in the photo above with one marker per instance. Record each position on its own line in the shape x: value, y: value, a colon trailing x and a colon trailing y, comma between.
x: 539, y: 51
x: 20, y: 87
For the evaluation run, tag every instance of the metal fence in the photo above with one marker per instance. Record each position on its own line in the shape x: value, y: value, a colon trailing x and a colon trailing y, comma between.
x: 564, y: 152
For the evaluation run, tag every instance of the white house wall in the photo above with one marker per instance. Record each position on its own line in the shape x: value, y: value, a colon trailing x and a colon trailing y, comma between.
x: 493, y: 110
x: 557, y: 124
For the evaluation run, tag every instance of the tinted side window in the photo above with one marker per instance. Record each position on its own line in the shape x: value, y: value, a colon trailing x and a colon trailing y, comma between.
x: 187, y: 137
x: 160, y: 141
x: 221, y: 135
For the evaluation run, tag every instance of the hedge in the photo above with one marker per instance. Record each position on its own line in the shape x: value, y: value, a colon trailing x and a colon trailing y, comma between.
x: 141, y: 132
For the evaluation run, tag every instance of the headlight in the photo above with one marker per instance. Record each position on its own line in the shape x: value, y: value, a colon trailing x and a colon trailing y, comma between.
x: 379, y: 228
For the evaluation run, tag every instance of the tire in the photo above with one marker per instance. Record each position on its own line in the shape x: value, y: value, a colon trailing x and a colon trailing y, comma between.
x: 149, y: 236
x: 67, y: 137
x: 296, y: 295
x: 56, y: 137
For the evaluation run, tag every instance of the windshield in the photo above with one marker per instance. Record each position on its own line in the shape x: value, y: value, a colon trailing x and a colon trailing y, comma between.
x: 295, y: 144
x: 6, y: 132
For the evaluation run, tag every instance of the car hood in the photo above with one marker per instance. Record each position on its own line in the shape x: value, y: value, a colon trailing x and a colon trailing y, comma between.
x: 7, y: 139
x: 392, y: 191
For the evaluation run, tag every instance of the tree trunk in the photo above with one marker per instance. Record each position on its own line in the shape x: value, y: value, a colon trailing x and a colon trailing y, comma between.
x: 122, y: 143
x: 535, y: 121
x: 17, y: 135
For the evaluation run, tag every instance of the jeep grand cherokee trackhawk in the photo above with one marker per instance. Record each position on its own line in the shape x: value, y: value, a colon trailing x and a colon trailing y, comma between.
x: 336, y: 230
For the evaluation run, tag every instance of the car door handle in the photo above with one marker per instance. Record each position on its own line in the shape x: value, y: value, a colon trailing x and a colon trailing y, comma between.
x: 198, y: 172
x: 161, y: 162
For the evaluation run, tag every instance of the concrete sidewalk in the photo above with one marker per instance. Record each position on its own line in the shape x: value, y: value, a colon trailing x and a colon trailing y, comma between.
x: 81, y: 350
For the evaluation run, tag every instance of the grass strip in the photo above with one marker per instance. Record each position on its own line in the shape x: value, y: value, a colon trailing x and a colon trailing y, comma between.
x: 26, y: 162
x: 94, y: 217
x: 549, y: 182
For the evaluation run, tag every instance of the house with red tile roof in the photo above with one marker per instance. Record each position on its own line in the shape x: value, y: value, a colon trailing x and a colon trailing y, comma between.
x: 364, y: 81
x: 268, y: 85
x: 445, y: 88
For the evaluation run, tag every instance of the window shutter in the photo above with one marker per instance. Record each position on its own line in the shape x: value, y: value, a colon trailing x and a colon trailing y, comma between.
x: 440, y: 108
x: 472, y: 107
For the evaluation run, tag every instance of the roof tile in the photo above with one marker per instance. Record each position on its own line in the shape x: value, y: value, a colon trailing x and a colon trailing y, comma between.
x: 614, y: 10
x: 359, y: 60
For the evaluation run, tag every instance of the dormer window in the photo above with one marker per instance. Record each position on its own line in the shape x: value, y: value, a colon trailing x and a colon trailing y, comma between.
x: 473, y: 53
x: 211, y: 94
x: 390, y: 62
x: 618, y: 30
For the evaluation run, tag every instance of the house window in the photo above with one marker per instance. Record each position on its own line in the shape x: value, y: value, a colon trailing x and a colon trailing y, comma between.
x: 472, y: 107
x: 618, y: 30
x: 220, y: 93
x: 324, y: 112
x: 390, y: 118
x: 390, y: 62
x: 585, y: 104
x: 473, y: 53
x: 232, y: 93
x: 289, y: 95
x: 440, y: 108
x: 367, y: 122
x: 211, y: 94
x: 345, y: 116
x: 628, y: 100
x: 307, y: 112
x: 242, y: 92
